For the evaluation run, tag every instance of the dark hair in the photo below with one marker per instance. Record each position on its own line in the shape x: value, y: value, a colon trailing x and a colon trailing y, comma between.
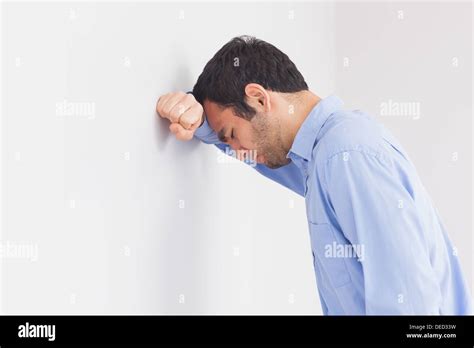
x: 243, y: 60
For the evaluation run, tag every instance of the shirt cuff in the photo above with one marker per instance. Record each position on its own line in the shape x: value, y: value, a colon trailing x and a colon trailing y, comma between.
x: 206, y: 134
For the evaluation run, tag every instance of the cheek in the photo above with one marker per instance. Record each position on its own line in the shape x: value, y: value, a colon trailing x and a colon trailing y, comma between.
x: 248, y: 139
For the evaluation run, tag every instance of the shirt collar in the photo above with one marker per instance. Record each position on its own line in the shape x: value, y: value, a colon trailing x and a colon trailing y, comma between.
x: 307, y: 134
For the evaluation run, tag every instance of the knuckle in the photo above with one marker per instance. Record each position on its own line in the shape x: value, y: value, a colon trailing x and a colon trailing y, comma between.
x: 179, y: 94
x: 160, y: 105
x: 176, y: 112
x: 189, y: 97
x: 167, y: 110
x: 198, y: 107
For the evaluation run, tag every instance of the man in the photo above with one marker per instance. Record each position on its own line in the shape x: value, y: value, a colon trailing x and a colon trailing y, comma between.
x: 379, y: 246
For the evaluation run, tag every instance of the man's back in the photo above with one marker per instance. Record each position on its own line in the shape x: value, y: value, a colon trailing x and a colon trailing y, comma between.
x: 364, y: 194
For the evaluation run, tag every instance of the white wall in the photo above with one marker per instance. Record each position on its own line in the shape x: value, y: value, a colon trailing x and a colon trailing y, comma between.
x: 419, y: 53
x: 99, y: 193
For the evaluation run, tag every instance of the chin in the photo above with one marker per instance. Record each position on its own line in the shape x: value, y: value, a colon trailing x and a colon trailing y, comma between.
x: 274, y: 165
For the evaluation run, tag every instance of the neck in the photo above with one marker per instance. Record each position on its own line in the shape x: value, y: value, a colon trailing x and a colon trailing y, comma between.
x: 307, y: 101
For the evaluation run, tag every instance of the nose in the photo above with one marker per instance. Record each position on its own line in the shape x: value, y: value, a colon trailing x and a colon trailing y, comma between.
x: 237, y: 147
x: 234, y: 145
x: 241, y: 151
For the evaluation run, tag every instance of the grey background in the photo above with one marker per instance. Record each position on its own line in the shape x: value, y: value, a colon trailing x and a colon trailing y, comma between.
x: 128, y: 220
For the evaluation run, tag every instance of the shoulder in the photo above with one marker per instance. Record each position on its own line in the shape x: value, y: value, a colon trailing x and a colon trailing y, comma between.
x: 349, y: 131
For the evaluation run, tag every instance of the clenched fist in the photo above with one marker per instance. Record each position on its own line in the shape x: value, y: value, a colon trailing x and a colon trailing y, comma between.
x: 183, y: 111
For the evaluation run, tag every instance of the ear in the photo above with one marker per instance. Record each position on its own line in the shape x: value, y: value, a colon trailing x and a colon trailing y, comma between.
x: 257, y: 97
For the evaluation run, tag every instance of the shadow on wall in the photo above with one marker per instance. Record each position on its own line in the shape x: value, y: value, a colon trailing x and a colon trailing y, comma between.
x: 181, y: 260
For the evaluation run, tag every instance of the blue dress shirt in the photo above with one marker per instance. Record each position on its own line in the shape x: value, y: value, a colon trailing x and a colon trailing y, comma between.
x: 378, y: 243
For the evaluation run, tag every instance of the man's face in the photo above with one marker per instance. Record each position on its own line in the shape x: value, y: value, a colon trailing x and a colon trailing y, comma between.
x: 262, y: 134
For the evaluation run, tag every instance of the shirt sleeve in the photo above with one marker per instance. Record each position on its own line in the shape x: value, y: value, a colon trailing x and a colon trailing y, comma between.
x: 288, y: 175
x: 377, y: 213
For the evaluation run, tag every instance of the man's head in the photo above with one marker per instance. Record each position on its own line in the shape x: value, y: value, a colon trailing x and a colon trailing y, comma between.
x: 248, y: 90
